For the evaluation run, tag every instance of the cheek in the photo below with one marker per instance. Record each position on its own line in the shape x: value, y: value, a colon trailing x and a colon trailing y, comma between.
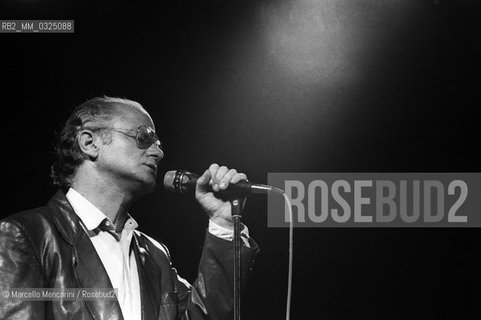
x: 121, y: 157
x: 129, y: 159
x: 122, y: 153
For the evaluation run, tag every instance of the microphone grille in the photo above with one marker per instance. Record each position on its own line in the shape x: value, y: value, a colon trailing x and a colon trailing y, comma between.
x: 169, y: 180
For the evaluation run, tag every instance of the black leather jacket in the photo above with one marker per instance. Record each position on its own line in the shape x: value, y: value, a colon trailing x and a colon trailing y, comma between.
x: 47, y: 248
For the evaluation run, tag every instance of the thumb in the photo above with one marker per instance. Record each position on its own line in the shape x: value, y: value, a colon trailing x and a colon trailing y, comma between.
x: 204, y: 179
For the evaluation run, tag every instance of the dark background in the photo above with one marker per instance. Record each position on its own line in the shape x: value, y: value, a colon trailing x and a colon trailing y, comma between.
x: 271, y: 86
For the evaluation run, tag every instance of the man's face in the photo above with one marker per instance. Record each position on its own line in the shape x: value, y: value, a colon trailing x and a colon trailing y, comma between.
x: 121, y: 161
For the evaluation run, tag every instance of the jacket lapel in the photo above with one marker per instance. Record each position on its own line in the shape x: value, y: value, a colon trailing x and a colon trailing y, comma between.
x: 158, y: 296
x: 148, y: 293
x: 88, y: 268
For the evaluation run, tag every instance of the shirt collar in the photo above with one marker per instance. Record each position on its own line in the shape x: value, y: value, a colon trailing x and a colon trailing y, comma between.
x: 90, y: 215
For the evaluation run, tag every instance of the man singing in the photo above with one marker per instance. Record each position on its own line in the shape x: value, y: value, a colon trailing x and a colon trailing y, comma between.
x: 107, y: 158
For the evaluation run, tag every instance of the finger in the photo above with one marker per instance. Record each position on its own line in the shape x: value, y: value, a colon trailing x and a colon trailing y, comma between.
x: 213, y: 172
x: 204, y: 178
x: 226, y: 179
x: 238, y: 177
x: 218, y: 176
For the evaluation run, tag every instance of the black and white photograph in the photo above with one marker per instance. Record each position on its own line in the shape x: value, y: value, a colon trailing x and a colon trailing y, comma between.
x: 240, y: 159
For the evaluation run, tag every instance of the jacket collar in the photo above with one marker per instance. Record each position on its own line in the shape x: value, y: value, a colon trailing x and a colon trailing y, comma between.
x: 65, y: 218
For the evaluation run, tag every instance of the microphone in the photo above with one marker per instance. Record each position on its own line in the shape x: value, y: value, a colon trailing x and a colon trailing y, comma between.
x: 183, y: 181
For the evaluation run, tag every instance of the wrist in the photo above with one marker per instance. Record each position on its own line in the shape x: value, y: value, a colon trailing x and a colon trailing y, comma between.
x: 228, y: 224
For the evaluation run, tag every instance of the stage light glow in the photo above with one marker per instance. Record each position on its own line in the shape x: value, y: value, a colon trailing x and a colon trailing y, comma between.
x: 309, y: 40
x: 327, y: 41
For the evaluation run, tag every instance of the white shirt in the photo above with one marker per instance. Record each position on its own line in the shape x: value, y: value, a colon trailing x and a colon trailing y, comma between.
x: 118, y: 261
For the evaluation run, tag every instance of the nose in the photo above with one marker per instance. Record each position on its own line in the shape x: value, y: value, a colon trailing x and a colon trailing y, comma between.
x: 156, y: 152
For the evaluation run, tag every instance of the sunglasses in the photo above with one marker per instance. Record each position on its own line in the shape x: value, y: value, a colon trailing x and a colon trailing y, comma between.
x: 144, y: 136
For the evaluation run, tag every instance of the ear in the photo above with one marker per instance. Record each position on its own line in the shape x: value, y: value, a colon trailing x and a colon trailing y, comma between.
x: 88, y: 142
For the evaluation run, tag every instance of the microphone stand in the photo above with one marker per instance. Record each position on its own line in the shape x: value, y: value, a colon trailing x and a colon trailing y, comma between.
x: 237, y: 207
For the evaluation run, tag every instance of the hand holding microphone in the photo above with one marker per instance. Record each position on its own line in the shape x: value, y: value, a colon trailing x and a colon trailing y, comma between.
x: 183, y: 181
x: 213, y: 180
x: 216, y: 179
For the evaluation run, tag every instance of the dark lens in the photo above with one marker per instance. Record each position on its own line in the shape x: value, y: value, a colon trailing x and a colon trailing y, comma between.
x: 145, y: 137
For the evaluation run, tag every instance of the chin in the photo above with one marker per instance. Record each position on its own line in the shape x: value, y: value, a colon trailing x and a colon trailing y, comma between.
x: 143, y: 185
x: 150, y: 186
